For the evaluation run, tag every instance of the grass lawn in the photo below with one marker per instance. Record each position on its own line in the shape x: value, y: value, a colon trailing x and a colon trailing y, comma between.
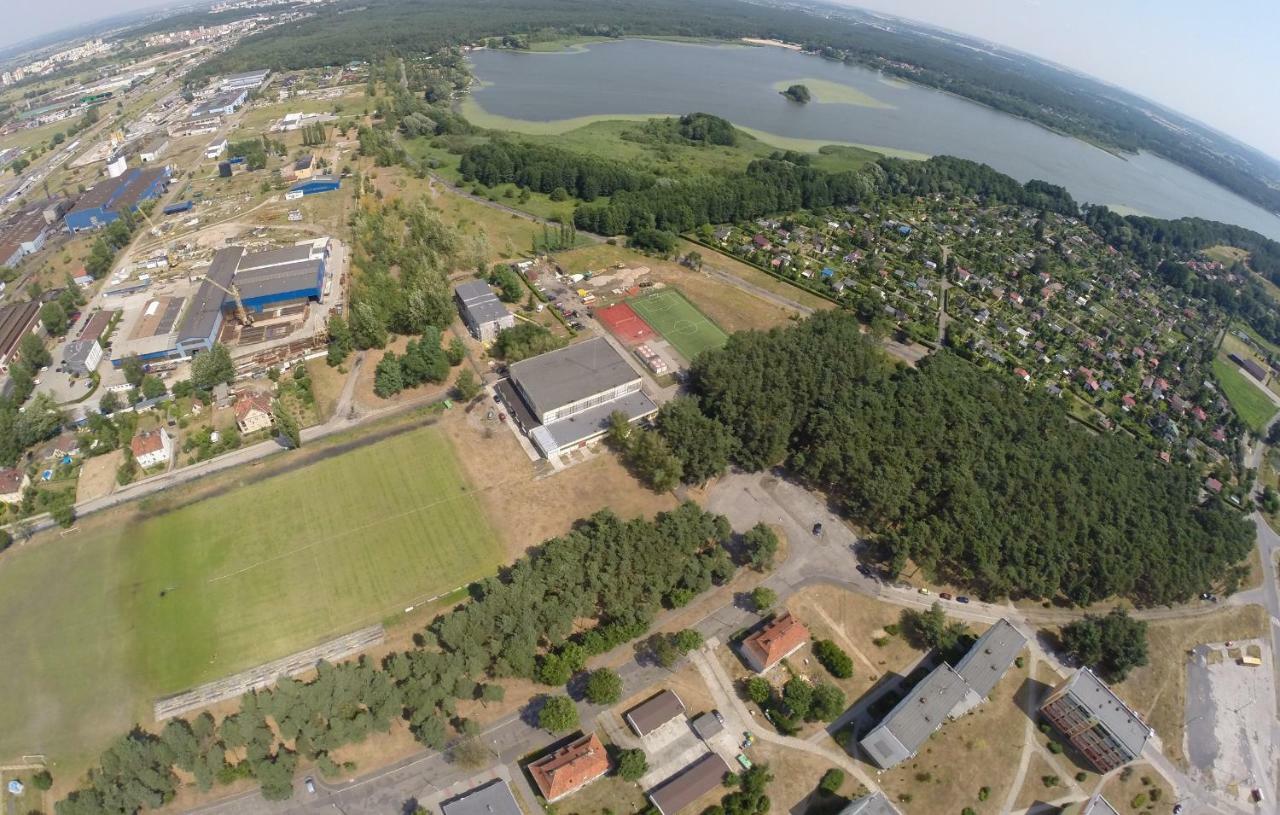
x: 1247, y: 400
x: 166, y: 602
x: 682, y: 325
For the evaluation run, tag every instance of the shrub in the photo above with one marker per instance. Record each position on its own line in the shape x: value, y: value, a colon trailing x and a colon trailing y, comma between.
x: 604, y: 687
x: 1050, y: 780
x: 632, y: 765
x: 758, y: 690
x: 984, y: 793
x: 1139, y: 801
x: 558, y: 714
x: 42, y: 780
x: 832, y: 780
x: 1055, y: 748
x: 833, y: 658
x: 763, y: 598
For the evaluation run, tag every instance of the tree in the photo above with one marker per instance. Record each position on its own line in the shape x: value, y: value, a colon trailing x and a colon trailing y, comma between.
x: 109, y: 403
x: 797, y: 93
x: 826, y: 703
x: 340, y: 341
x: 558, y: 715
x: 213, y: 367
x: 492, y: 693
x: 703, y: 445
x: 759, y: 690
x: 128, y: 469
x: 604, y: 687
x: 761, y: 544
x: 472, y: 754
x: 466, y: 385
x: 455, y: 351
x: 687, y: 639
x: 153, y: 387
x: 632, y: 765
x: 510, y: 286
x: 31, y: 350
x: 1112, y: 644
x: 931, y: 629
x: 388, y: 380
x: 286, y: 425
x: 651, y: 458
x: 54, y: 318
x: 42, y: 781
x: 763, y: 598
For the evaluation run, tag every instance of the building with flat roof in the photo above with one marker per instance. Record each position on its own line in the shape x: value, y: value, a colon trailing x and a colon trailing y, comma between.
x: 23, y: 233
x: 223, y: 103
x: 779, y: 639
x: 945, y: 693
x: 915, y: 718
x: 195, y: 125
x: 874, y: 804
x: 986, y: 662
x: 563, y: 398
x: 493, y: 798
x: 569, y: 769
x: 481, y: 310
x: 688, y: 785
x: 82, y: 357
x: 106, y: 201
x: 313, y: 185
x: 706, y: 725
x: 1106, y: 730
x: 654, y: 712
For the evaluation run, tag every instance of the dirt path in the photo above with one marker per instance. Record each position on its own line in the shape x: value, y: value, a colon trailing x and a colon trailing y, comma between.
x: 1028, y: 742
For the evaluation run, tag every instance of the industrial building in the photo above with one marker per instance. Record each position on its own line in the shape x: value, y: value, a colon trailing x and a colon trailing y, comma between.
x: 481, y: 310
x: 273, y: 279
x: 16, y: 321
x: 494, y: 798
x: 247, y: 80
x: 313, y: 185
x: 688, y: 785
x: 154, y: 149
x: 1106, y: 730
x: 23, y: 233
x: 564, y: 771
x: 945, y: 693
x: 105, y: 202
x: 195, y: 125
x: 563, y: 399
x: 223, y: 103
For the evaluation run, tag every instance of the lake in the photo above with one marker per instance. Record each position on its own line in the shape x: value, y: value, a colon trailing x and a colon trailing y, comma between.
x: 540, y: 92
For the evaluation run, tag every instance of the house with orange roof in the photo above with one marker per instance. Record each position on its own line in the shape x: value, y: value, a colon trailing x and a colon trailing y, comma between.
x: 570, y: 768
x: 781, y: 638
x: 253, y: 411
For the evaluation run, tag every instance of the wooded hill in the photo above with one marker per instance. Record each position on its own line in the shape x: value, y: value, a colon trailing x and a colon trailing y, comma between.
x: 978, y: 479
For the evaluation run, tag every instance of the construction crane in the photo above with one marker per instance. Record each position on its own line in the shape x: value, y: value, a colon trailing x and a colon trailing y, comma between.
x: 242, y: 313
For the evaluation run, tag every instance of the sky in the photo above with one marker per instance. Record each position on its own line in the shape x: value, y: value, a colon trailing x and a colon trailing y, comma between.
x: 1216, y: 63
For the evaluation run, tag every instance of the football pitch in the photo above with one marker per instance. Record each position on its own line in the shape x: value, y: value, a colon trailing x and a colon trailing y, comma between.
x: 679, y: 322
x: 95, y: 626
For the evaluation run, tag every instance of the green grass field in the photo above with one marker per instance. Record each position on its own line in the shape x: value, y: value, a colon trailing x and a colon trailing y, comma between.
x: 95, y: 626
x: 1248, y: 401
x: 679, y: 322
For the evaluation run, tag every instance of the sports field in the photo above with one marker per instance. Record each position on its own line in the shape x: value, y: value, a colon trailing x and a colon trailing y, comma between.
x: 1253, y: 406
x: 623, y: 322
x: 95, y: 626
x: 679, y: 322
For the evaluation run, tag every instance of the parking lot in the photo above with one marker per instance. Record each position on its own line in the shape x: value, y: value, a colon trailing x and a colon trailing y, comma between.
x: 1231, y: 707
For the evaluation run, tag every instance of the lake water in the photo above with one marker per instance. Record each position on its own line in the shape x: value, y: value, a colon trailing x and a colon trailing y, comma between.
x: 737, y: 82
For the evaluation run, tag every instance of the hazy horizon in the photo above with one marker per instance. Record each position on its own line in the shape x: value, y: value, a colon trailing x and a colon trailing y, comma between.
x: 1164, y: 50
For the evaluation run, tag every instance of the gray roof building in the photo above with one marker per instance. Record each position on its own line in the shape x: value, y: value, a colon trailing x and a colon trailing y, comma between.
x: 562, y: 379
x: 706, y: 725
x: 1096, y: 805
x: 654, y: 712
x: 688, y: 785
x: 1096, y: 721
x: 873, y: 804
x: 915, y: 718
x: 82, y: 356
x: 987, y: 661
x: 494, y: 798
x: 199, y: 327
x: 481, y: 310
x: 945, y: 693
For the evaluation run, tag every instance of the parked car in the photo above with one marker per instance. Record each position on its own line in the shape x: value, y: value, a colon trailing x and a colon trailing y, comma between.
x: 311, y: 785
x: 864, y: 570
x: 817, y: 529
x: 945, y: 595
x: 962, y: 599
x: 923, y: 590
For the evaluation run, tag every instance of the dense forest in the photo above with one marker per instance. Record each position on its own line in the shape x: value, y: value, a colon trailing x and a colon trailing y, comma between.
x: 1007, y: 81
x: 574, y: 597
x: 971, y: 476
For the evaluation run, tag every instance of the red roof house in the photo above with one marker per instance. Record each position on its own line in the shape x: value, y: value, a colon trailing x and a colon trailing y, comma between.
x: 570, y: 768
x: 782, y: 637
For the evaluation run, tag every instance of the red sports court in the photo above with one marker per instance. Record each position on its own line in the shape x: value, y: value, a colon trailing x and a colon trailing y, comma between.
x: 623, y: 322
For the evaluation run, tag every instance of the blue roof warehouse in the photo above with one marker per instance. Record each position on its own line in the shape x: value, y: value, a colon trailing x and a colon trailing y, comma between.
x: 105, y: 202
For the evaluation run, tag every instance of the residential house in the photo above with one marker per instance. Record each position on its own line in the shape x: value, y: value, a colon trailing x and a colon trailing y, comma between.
x: 779, y: 639
x: 253, y: 411
x: 151, y: 448
x: 12, y: 482
x: 565, y: 771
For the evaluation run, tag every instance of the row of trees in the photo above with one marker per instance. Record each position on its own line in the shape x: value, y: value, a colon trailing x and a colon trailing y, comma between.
x: 580, y: 594
x: 970, y: 475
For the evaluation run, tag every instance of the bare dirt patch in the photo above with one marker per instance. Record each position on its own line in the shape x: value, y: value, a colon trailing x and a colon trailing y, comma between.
x: 1158, y: 691
x: 1122, y: 791
x: 98, y: 476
